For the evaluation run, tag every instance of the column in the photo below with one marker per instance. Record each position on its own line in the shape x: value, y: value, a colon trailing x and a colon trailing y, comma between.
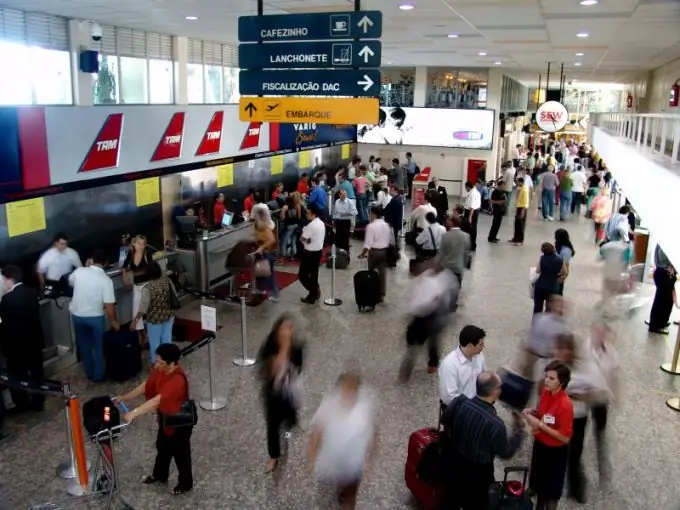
x: 180, y: 55
x: 420, y: 86
x: 82, y: 83
x: 494, y: 86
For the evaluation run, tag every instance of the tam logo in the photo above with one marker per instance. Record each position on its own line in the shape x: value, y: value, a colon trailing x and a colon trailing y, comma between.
x: 107, y: 145
x: 170, y: 146
x: 251, y: 139
x: 172, y: 140
x: 212, y: 135
x: 105, y: 148
x: 212, y: 139
x: 253, y: 131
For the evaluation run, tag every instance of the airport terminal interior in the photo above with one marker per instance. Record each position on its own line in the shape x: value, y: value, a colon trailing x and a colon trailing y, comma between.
x: 175, y: 124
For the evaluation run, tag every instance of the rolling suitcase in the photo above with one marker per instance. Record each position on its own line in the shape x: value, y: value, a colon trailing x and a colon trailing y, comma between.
x: 429, y: 496
x: 511, y: 494
x: 366, y: 289
x: 122, y: 355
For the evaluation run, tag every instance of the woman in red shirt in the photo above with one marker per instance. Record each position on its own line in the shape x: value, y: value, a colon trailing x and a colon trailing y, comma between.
x: 303, y: 185
x: 552, y: 423
x: 165, y: 391
x: 218, y: 209
x: 278, y: 189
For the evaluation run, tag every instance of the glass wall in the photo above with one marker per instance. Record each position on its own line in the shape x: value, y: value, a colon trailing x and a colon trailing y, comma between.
x: 514, y: 95
x: 212, y: 73
x: 584, y: 99
x: 397, y: 87
x: 456, y: 88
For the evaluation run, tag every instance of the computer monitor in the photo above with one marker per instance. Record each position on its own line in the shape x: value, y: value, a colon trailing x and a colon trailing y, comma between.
x: 227, y: 219
x: 187, y: 225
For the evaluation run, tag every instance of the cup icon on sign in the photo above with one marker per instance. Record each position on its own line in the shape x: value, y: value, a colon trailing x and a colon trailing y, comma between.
x: 340, y: 26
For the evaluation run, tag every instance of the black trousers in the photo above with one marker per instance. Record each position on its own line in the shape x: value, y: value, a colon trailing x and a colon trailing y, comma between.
x: 577, y: 481
x: 496, y: 225
x: 178, y: 446
x: 342, y: 228
x: 26, y: 364
x: 520, y: 223
x: 663, y: 299
x: 409, y: 180
x: 468, y: 485
x: 278, y: 413
x: 308, y: 274
x: 540, y: 300
x: 473, y: 228
x: 576, y: 201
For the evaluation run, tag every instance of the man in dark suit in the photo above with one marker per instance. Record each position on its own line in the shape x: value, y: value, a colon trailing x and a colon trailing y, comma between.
x: 441, y: 203
x: 21, y: 336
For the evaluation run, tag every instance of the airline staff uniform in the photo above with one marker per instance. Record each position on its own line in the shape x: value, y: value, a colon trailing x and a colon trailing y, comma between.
x: 55, y: 263
x: 313, y: 235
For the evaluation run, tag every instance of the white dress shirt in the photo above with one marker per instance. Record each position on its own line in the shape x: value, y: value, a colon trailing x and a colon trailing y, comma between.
x: 509, y: 178
x: 313, y: 235
x: 473, y: 200
x: 383, y: 198
x: 345, y: 209
x: 378, y: 235
x: 55, y: 263
x: 92, y: 289
x: 419, y: 213
x: 424, y: 239
x: 458, y: 375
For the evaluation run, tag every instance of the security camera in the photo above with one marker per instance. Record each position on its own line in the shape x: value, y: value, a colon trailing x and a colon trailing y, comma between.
x: 94, y: 28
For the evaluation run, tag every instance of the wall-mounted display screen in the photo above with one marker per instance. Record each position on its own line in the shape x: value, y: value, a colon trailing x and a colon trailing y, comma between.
x: 433, y: 127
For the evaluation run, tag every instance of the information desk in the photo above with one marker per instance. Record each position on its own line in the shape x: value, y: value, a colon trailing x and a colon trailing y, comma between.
x: 206, y: 264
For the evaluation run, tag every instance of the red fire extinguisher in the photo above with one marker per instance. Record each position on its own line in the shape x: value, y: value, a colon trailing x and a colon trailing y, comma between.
x: 675, y: 95
x: 629, y: 100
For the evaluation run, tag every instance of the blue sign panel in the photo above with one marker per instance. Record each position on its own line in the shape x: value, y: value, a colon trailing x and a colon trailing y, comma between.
x: 306, y: 55
x: 10, y: 159
x: 362, y: 83
x: 308, y: 27
x: 309, y: 135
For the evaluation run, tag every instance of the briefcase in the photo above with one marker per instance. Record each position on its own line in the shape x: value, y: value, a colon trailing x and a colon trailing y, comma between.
x: 516, y: 390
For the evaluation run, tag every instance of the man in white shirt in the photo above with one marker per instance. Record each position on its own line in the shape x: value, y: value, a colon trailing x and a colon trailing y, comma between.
x: 473, y: 203
x: 93, y: 296
x: 312, y: 237
x: 417, y: 220
x: 344, y: 213
x: 579, y: 187
x: 58, y: 261
x: 429, y: 240
x: 377, y: 241
x: 459, y: 370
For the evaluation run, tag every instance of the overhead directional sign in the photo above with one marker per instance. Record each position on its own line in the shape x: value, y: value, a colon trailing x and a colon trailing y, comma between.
x: 310, y: 55
x: 288, y: 110
x: 327, y: 82
x: 306, y: 27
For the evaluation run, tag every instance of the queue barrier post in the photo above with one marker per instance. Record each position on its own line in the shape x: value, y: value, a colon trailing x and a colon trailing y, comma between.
x: 672, y: 367
x: 214, y: 403
x: 244, y: 360
x: 67, y: 469
x: 81, y: 484
x: 333, y: 301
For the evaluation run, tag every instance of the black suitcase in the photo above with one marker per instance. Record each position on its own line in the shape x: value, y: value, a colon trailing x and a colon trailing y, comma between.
x: 511, y: 494
x: 341, y: 259
x: 366, y: 289
x: 122, y: 355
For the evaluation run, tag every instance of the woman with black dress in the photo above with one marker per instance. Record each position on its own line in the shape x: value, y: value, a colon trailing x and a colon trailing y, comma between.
x: 550, y: 270
x: 135, y: 269
x: 280, y: 362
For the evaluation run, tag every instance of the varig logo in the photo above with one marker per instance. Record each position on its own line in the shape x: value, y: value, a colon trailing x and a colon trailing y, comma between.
x: 306, y: 133
x: 105, y: 149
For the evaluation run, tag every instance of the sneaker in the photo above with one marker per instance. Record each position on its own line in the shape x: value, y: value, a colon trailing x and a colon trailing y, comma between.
x: 274, y: 299
x: 550, y: 218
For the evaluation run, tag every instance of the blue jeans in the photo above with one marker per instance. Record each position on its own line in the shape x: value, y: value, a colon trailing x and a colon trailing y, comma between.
x: 288, y: 238
x: 362, y: 207
x: 270, y: 282
x: 565, y: 204
x: 548, y: 203
x: 158, y: 334
x: 89, y: 333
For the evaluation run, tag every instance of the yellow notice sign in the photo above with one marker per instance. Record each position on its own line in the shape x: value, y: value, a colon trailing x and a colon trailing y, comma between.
x: 225, y: 175
x: 25, y: 216
x: 346, y: 150
x: 277, y: 165
x: 148, y: 191
x: 304, y: 159
x: 289, y: 110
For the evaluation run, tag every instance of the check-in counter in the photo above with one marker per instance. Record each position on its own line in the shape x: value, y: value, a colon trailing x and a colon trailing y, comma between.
x: 206, y: 264
x: 59, y: 351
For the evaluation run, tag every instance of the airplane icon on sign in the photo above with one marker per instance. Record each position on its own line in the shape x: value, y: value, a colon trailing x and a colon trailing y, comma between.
x: 272, y: 107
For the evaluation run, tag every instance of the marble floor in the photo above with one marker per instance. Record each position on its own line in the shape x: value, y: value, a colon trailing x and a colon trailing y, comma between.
x: 229, y: 449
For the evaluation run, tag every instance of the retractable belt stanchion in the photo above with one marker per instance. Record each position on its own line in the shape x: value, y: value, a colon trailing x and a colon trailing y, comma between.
x: 672, y: 367
x: 214, y: 403
x: 244, y: 360
x: 333, y: 301
x: 67, y: 469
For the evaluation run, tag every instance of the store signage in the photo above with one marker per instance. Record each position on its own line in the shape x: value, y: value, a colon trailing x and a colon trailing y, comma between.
x: 170, y: 145
x: 105, y: 149
x: 552, y: 116
x: 308, y: 27
x: 365, y: 82
x: 310, y: 110
x: 211, y: 141
x: 310, y: 55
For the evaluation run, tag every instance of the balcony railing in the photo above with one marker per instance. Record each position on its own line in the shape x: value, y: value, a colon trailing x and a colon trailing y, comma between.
x: 656, y: 133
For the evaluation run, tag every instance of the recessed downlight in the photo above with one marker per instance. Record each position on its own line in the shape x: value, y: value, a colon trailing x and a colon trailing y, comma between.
x: 453, y: 36
x: 497, y: 63
x: 589, y: 3
x: 577, y: 64
x: 406, y: 7
x: 482, y: 54
x: 191, y: 18
x: 582, y: 35
x: 579, y: 54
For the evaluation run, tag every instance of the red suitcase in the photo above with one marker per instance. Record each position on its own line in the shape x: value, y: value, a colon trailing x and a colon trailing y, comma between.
x: 429, y: 497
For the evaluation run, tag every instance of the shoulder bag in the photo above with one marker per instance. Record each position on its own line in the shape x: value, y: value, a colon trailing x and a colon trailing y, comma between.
x: 173, y: 298
x: 187, y: 416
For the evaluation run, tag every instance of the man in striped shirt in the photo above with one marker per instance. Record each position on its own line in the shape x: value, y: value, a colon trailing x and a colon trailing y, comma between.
x: 478, y: 436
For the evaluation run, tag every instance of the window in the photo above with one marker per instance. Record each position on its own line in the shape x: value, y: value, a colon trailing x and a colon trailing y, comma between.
x: 213, y: 84
x: 195, y: 83
x: 231, y: 92
x: 15, y: 86
x: 133, y: 81
x: 160, y: 82
x: 106, y: 81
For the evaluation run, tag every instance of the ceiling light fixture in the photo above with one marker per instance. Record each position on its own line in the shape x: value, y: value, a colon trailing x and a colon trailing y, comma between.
x: 191, y: 18
x: 406, y: 7
x: 577, y: 63
x: 579, y: 54
x: 453, y: 36
x: 582, y: 35
x: 589, y: 3
x: 497, y: 63
x: 482, y: 54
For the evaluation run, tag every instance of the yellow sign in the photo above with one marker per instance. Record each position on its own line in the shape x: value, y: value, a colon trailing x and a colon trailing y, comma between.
x: 25, y: 216
x: 225, y: 175
x: 289, y: 110
x: 147, y: 191
x: 346, y: 150
x: 277, y: 165
x: 304, y: 159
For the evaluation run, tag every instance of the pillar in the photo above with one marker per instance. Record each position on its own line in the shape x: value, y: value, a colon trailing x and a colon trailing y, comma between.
x: 420, y: 86
x: 82, y: 87
x: 494, y: 86
x: 180, y: 56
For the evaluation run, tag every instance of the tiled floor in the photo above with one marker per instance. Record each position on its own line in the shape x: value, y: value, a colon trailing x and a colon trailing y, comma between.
x: 229, y: 445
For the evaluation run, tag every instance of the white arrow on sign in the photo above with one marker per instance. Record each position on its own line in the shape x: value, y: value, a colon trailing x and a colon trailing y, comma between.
x: 366, y: 82
x: 365, y: 23
x: 367, y: 53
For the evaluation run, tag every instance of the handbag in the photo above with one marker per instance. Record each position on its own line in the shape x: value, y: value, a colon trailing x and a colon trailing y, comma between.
x: 187, y: 416
x: 261, y: 268
x: 173, y: 298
